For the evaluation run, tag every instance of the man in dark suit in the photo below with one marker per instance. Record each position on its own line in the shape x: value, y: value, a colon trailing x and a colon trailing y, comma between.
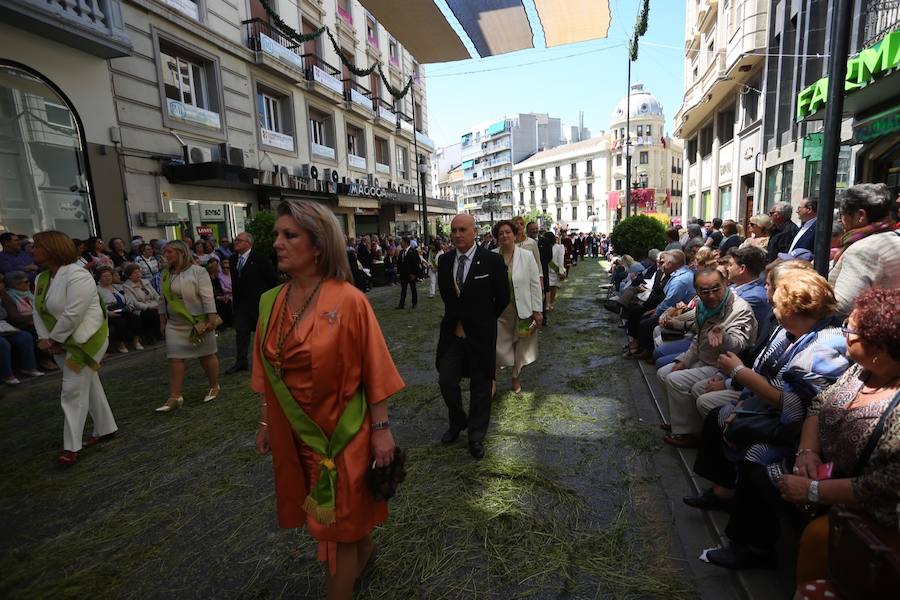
x: 805, y: 239
x: 251, y: 275
x: 408, y: 272
x: 783, y: 230
x: 363, y: 253
x: 475, y: 289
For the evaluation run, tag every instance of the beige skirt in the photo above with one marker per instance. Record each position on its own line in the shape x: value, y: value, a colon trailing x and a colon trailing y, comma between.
x: 178, y: 340
x: 512, y: 350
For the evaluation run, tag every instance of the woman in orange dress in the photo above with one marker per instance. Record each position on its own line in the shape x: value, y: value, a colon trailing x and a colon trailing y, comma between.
x: 321, y: 338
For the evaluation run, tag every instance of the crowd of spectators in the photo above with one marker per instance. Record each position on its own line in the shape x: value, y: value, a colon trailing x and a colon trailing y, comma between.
x: 128, y: 282
x: 777, y: 375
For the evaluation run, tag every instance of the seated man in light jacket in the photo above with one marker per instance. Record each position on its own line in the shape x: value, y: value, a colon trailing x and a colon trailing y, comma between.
x: 724, y: 323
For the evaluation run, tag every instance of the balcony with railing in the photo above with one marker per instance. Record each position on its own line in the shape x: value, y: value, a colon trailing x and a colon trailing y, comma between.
x: 384, y: 114
x: 92, y: 26
x: 882, y: 17
x: 323, y: 78
x: 358, y: 97
x: 274, y: 50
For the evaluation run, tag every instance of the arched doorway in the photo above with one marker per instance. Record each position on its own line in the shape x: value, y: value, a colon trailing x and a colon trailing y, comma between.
x: 44, y: 176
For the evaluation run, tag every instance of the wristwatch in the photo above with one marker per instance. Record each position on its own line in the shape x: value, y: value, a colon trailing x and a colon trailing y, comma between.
x: 812, y: 494
x: 379, y: 425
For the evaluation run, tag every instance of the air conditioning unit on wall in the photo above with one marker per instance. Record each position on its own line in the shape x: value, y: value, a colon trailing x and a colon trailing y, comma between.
x: 197, y: 154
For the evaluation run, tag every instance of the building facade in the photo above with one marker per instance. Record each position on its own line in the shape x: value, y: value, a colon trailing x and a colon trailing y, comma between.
x: 489, y: 152
x: 568, y: 184
x: 656, y: 169
x: 176, y: 118
x: 752, y: 136
x: 720, y: 119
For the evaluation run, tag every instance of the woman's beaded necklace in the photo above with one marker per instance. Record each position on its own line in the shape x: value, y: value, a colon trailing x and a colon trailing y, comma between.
x: 283, y: 333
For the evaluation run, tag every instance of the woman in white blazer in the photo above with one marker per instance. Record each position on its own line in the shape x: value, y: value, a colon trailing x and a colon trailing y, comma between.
x: 188, y: 316
x: 557, y: 269
x: 71, y: 325
x: 517, y: 326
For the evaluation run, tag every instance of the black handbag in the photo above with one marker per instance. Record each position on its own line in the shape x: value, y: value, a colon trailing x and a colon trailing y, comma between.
x: 758, y: 427
x: 384, y: 481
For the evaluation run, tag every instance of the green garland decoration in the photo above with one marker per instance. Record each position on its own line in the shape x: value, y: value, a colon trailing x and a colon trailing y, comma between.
x: 640, y: 28
x: 287, y: 30
x: 300, y: 39
x: 641, y: 25
x: 398, y: 94
x: 350, y: 66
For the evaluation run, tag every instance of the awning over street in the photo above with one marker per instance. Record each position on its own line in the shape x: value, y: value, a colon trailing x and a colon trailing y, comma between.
x: 493, y: 26
x: 421, y: 27
x: 573, y: 21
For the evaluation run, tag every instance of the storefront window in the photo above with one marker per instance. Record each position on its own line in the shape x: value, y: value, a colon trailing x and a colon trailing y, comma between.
x: 43, y: 179
x: 209, y: 220
x: 706, y: 206
x: 778, y: 184
x: 724, y: 202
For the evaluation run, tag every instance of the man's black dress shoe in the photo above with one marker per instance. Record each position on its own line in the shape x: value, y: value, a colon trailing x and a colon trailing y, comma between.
x: 450, y: 436
x: 708, y: 500
x: 739, y: 556
x: 476, y: 449
x: 234, y: 369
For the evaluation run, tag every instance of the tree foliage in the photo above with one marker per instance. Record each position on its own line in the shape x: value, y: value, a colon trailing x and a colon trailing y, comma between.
x: 637, y: 235
x: 262, y: 228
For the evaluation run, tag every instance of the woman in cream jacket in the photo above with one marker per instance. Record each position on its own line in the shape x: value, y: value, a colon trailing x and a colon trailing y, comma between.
x: 188, y: 316
x: 517, y: 326
x: 71, y: 325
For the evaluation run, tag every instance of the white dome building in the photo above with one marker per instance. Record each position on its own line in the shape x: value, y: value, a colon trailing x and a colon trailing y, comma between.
x: 655, y: 158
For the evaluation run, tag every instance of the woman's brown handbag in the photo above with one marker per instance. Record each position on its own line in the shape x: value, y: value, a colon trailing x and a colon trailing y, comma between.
x: 861, y: 563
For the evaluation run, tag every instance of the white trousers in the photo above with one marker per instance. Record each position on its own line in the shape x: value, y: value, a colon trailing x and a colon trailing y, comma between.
x: 683, y: 413
x: 708, y: 401
x: 82, y: 394
x: 432, y: 280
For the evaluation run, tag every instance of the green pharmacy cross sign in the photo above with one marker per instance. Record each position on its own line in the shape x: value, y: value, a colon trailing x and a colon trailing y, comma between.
x: 862, y: 69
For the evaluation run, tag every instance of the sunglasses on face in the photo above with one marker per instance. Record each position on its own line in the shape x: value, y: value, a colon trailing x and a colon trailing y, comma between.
x: 707, y: 291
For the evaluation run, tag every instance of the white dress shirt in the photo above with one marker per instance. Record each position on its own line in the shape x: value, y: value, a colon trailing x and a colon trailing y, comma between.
x: 469, y: 254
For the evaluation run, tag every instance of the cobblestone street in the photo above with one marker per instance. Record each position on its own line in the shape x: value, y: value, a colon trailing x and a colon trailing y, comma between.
x: 566, y: 504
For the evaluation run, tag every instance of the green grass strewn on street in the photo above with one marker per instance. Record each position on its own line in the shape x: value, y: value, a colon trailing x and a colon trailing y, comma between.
x: 564, y: 505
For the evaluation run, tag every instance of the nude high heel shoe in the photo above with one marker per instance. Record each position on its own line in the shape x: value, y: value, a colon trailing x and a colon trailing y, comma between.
x: 171, y: 404
x: 212, y: 394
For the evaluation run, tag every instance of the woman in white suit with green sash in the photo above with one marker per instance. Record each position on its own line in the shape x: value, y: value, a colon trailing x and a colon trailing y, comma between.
x: 71, y: 324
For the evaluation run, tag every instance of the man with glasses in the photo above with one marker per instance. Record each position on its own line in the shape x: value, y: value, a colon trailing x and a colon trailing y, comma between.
x: 724, y: 323
x: 804, y: 240
x: 251, y: 275
x: 783, y: 230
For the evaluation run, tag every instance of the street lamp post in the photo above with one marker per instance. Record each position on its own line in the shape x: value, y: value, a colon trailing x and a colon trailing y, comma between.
x: 492, y: 204
x: 423, y: 169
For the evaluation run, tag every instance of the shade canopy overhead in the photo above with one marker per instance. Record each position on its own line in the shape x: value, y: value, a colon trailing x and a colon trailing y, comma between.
x: 493, y: 26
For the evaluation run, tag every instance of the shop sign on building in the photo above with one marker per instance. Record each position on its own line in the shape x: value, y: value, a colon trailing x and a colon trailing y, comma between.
x: 812, y: 146
x: 328, y: 80
x: 882, y: 124
x: 276, y: 140
x: 212, y: 213
x: 273, y: 48
x: 862, y: 69
x: 366, y: 191
x: 193, y: 114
